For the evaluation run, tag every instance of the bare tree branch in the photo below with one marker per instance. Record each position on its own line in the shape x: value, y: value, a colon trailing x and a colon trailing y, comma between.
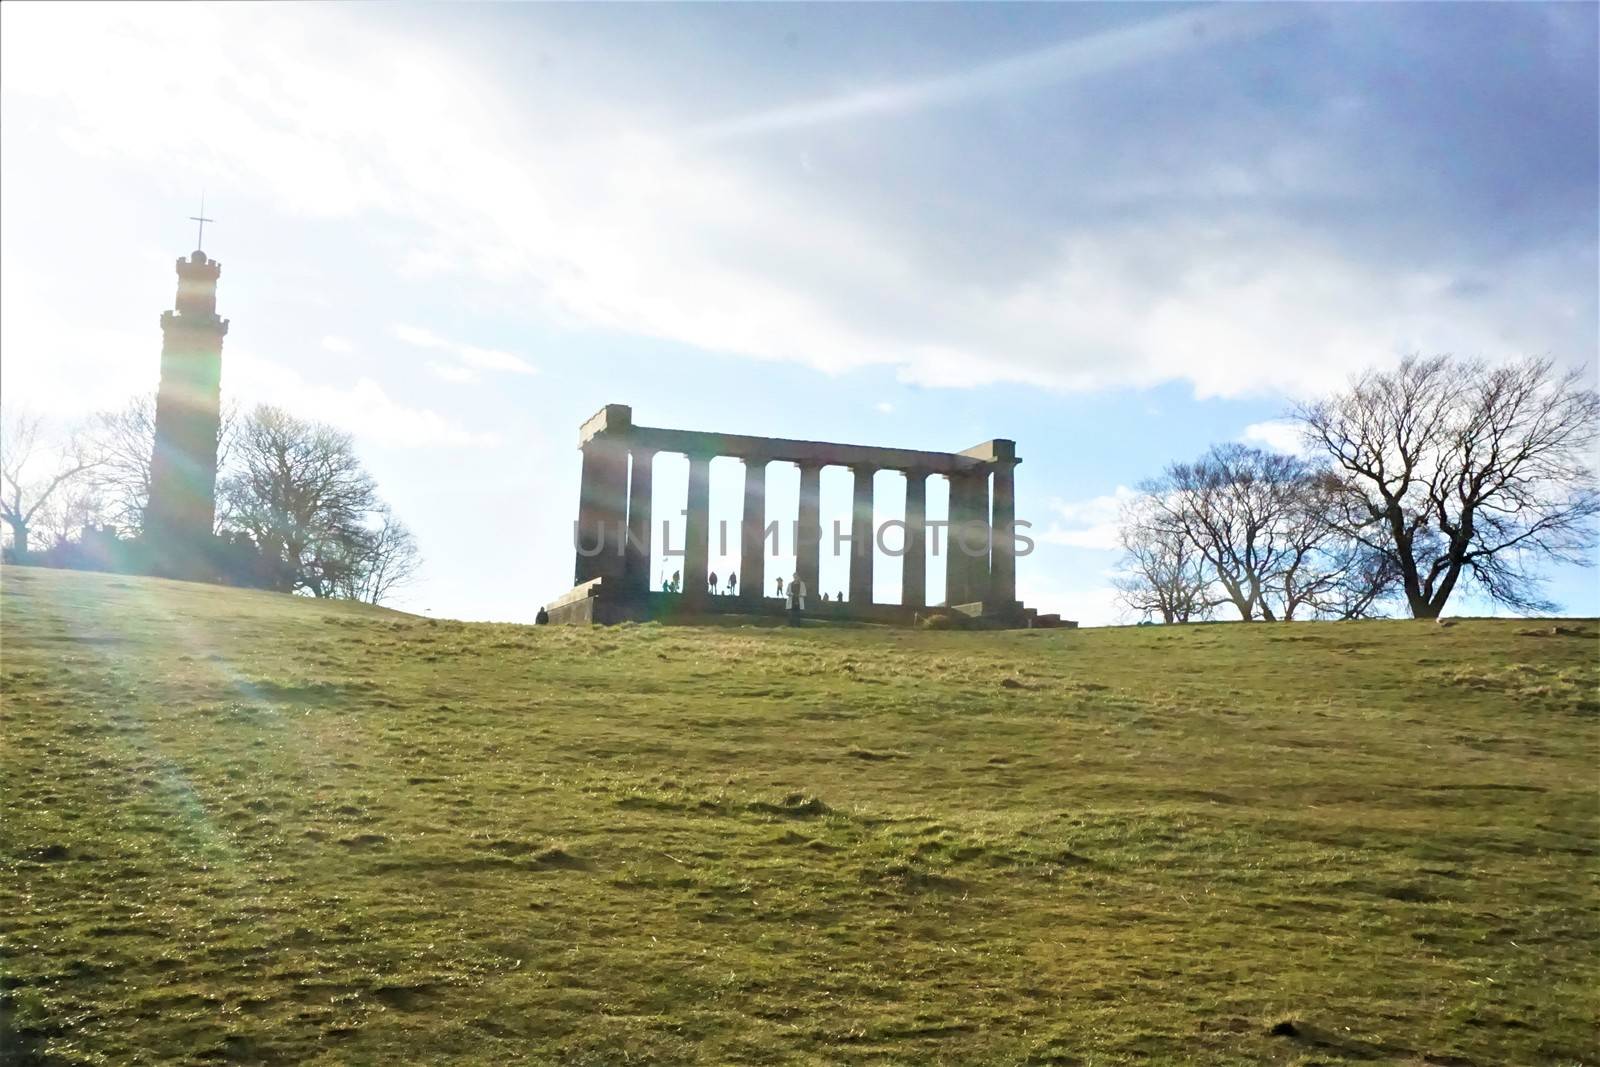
x: 33, y: 470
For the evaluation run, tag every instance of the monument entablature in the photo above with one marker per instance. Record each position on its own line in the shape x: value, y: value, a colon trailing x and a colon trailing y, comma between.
x: 615, y: 421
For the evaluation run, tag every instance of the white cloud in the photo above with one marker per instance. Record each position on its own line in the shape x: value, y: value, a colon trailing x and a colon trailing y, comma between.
x: 681, y: 238
x: 883, y: 407
x: 340, y: 345
x: 1078, y: 58
x: 365, y: 408
x: 1280, y: 435
x: 493, y: 359
x: 471, y: 356
x: 413, y: 335
x: 1090, y: 523
x: 62, y: 366
x: 1091, y: 603
x: 453, y: 373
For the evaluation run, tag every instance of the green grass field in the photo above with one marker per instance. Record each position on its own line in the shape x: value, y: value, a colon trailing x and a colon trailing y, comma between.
x: 251, y: 828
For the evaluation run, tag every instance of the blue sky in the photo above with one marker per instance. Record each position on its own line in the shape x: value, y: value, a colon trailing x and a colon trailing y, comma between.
x: 1116, y: 234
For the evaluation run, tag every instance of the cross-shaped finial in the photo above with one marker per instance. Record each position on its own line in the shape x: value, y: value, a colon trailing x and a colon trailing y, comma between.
x: 200, y: 240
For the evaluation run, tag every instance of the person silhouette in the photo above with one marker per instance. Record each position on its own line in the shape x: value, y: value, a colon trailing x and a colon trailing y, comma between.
x: 840, y: 597
x: 824, y: 598
x: 733, y: 584
x: 711, y: 583
x: 676, y: 577
x: 542, y: 618
x: 779, y: 587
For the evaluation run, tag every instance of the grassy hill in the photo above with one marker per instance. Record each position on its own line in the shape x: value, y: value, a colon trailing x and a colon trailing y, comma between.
x: 252, y: 828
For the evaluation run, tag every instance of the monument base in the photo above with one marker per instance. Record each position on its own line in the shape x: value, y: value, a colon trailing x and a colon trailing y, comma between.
x: 593, y: 604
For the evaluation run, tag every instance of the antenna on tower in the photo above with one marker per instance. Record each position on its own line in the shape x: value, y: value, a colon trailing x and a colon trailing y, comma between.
x: 200, y: 238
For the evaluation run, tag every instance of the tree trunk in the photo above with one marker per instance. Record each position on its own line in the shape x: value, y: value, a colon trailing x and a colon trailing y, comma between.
x: 19, y: 538
x: 1447, y: 585
x: 1411, y: 579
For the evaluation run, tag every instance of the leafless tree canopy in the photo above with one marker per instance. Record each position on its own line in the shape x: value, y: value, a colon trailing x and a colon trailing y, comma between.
x: 386, y: 559
x: 38, y: 474
x: 126, y: 438
x: 298, y: 489
x: 1163, y: 574
x: 1244, y: 528
x: 1448, y: 469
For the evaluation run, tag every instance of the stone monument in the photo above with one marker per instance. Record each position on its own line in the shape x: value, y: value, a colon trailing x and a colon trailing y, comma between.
x: 613, y: 535
x: 183, y: 466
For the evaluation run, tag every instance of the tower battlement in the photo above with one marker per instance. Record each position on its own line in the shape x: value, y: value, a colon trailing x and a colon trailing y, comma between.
x: 197, y: 264
x: 192, y: 322
x: 197, y: 284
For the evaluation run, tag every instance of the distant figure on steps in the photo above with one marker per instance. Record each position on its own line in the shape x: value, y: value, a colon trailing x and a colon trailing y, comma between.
x: 733, y: 584
x: 711, y: 583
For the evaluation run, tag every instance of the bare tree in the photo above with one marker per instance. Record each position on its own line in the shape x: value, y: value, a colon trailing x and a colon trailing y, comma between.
x: 387, y: 559
x: 1451, y: 469
x: 299, y: 491
x: 71, y: 509
x: 1323, y: 571
x: 127, y: 438
x: 35, y: 470
x: 1231, y: 505
x: 1260, y: 530
x: 1163, y: 574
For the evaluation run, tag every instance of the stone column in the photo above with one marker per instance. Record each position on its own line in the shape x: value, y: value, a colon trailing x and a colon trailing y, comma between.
x: 861, y: 547
x: 955, y: 569
x: 697, y: 530
x: 914, y: 564
x: 1003, y: 554
x: 752, y: 563
x: 979, y: 534
x: 809, y: 542
x: 640, y: 483
x: 602, y: 512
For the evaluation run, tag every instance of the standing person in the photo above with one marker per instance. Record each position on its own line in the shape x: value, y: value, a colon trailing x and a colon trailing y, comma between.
x: 711, y: 583
x: 780, y: 587
x: 840, y: 596
x: 797, y: 590
x: 676, y: 576
x: 733, y: 584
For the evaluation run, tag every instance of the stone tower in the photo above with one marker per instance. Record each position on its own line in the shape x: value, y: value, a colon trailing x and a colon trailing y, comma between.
x: 183, y: 469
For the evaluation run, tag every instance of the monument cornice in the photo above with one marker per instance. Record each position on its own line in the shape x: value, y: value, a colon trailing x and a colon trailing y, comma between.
x: 804, y: 453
